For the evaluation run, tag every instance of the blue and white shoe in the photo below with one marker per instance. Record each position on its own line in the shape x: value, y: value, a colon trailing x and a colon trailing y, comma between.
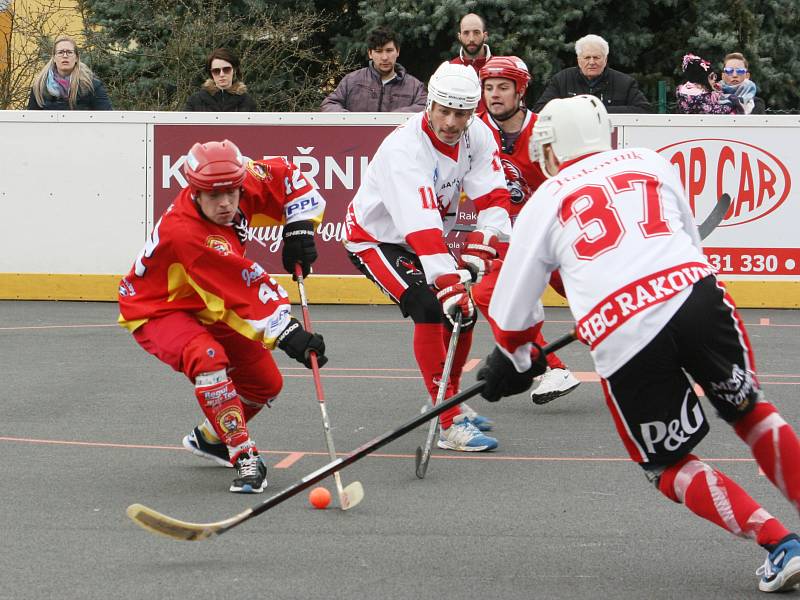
x: 781, y: 571
x: 481, y: 422
x: 463, y: 436
x: 199, y: 446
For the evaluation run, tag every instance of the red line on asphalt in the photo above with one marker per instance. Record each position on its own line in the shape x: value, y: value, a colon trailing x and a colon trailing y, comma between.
x: 289, y: 455
x: 290, y: 459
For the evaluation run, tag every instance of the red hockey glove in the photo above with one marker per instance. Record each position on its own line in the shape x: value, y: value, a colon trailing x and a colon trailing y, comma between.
x: 501, y: 377
x: 454, y: 297
x: 478, y: 253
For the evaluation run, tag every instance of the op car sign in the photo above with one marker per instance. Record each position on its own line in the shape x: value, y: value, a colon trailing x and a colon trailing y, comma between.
x: 755, y: 178
x: 756, y: 239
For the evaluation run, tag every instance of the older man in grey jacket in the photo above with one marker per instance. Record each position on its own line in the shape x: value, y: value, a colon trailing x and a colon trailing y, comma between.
x: 383, y: 86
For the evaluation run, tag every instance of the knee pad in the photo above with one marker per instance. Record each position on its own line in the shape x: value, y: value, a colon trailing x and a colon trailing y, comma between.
x: 203, y: 354
x: 420, y: 303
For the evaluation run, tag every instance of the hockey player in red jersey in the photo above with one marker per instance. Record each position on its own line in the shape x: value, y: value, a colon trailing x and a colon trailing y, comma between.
x: 504, y: 80
x: 193, y: 299
x: 398, y: 219
x: 618, y: 227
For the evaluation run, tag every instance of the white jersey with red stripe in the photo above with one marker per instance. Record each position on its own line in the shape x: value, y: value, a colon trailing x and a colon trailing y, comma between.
x: 617, y: 226
x: 411, y: 190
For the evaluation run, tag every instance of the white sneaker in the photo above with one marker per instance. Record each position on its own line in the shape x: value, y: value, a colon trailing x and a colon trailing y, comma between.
x: 463, y: 436
x: 551, y: 385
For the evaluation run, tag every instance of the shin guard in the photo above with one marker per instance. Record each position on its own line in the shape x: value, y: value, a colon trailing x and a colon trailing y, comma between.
x: 775, y: 446
x: 714, y: 496
x: 223, y: 408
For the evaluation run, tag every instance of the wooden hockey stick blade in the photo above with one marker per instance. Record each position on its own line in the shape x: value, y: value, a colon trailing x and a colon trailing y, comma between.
x: 715, y: 217
x: 351, y: 495
x: 156, y: 522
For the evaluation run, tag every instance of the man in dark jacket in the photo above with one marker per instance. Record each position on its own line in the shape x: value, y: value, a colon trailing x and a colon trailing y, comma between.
x: 383, y: 86
x: 619, y: 92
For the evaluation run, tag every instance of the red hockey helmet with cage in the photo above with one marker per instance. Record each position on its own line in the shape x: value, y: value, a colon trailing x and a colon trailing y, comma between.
x: 507, y: 67
x: 214, y: 165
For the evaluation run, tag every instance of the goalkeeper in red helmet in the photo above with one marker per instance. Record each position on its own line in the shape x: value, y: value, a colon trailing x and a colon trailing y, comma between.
x: 194, y: 301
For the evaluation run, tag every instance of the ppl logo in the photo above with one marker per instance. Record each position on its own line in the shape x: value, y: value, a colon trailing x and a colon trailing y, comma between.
x: 757, y: 180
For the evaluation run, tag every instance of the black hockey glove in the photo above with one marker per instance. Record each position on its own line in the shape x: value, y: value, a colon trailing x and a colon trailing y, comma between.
x: 299, y: 344
x: 501, y: 377
x: 298, y: 246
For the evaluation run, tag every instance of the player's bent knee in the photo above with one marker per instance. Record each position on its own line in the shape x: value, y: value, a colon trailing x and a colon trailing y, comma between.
x: 673, y: 479
x: 203, y: 354
x: 420, y: 303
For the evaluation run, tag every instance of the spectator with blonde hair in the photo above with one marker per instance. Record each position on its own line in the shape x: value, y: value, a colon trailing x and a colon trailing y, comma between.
x: 65, y: 83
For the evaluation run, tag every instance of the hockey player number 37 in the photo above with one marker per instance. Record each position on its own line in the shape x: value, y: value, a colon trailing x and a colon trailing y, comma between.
x: 592, y: 205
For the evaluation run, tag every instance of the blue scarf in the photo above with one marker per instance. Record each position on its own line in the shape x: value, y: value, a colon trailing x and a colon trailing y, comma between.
x: 57, y: 86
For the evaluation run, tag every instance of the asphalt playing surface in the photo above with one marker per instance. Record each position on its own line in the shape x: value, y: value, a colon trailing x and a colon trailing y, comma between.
x: 91, y: 423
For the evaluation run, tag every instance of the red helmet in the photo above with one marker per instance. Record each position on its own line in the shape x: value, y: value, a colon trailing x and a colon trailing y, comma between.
x: 507, y: 67
x: 214, y: 165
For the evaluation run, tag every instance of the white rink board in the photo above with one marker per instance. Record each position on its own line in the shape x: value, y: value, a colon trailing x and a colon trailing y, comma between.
x: 77, y: 188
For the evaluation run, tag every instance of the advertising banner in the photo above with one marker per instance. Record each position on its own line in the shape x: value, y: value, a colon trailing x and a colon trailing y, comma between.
x: 754, y: 165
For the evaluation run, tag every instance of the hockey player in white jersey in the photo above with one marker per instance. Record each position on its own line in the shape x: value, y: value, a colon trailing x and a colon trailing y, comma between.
x: 617, y: 226
x: 397, y: 223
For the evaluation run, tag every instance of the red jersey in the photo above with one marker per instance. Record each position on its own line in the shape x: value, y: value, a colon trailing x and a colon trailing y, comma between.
x: 194, y: 265
x: 523, y: 177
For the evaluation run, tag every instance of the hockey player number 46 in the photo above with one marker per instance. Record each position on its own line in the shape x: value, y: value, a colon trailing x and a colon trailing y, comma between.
x: 592, y: 205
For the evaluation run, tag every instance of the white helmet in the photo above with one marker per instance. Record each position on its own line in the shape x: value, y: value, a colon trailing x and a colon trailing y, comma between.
x: 573, y: 127
x: 455, y: 86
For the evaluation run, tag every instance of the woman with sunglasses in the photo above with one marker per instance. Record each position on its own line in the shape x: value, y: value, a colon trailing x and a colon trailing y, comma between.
x: 65, y: 83
x: 224, y: 91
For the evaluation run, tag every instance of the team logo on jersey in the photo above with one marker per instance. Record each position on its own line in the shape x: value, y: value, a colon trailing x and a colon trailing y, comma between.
x: 126, y: 288
x: 517, y: 186
x: 259, y: 170
x: 220, y: 244
x: 406, y: 263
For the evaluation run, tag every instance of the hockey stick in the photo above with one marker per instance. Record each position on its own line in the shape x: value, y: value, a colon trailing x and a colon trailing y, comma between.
x: 715, y: 217
x: 157, y: 522
x: 424, y: 452
x: 353, y: 493
x: 705, y: 228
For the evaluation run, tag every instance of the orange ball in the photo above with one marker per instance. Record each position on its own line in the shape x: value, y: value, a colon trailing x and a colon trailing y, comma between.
x: 319, y: 497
